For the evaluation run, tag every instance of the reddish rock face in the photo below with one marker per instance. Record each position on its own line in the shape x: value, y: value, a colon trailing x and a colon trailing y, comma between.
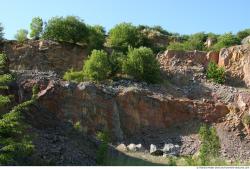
x: 44, y: 56
x: 123, y: 112
x: 236, y: 60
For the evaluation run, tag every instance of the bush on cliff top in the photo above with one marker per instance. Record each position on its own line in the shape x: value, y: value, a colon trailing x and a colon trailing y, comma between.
x: 226, y: 40
x: 69, y: 29
x: 36, y: 27
x: 96, y: 37
x: 142, y: 65
x: 122, y: 36
x: 21, y: 35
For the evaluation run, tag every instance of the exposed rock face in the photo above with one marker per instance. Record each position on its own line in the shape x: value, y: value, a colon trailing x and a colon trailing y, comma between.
x: 246, y: 40
x: 44, y: 56
x: 182, y: 66
x: 122, y: 110
x: 236, y: 61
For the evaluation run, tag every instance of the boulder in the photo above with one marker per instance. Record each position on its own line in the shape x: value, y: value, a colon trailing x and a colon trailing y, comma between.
x: 132, y: 147
x: 139, y: 147
x: 171, y: 149
x: 122, y: 147
x: 236, y: 61
x: 246, y: 40
x: 154, y: 151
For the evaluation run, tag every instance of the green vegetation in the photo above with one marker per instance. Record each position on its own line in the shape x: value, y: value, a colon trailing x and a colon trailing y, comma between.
x: 122, y: 36
x: 75, y: 76
x: 15, y: 143
x: 102, y: 152
x: 96, y: 37
x: 210, y: 144
x: 246, y: 119
x: 226, y: 40
x: 1, y: 32
x: 97, y: 67
x: 36, y: 27
x: 21, y: 35
x: 69, y: 29
x: 217, y: 74
x: 142, y: 65
x: 242, y: 34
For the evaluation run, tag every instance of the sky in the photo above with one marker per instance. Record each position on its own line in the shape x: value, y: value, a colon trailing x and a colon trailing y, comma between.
x: 182, y: 16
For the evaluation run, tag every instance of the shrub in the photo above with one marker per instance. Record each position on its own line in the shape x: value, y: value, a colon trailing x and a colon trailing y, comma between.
x: 217, y: 74
x: 72, y: 75
x: 102, y: 151
x: 21, y: 35
x: 142, y: 65
x: 246, y: 119
x: 1, y: 32
x: 69, y: 29
x: 116, y: 60
x: 242, y: 34
x: 97, y: 67
x: 122, y: 36
x: 36, y: 27
x: 226, y: 40
x: 192, y: 42
x: 96, y: 37
x: 179, y: 46
x: 210, y: 144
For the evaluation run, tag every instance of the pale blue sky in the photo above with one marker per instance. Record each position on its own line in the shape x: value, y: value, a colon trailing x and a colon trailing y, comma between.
x: 182, y: 16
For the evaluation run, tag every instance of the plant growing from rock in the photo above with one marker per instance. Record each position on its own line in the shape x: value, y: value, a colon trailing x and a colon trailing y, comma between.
x: 102, y: 151
x: 246, y: 119
x: 210, y: 144
x: 36, y: 27
x: 21, y: 35
x: 216, y: 73
x: 142, y: 65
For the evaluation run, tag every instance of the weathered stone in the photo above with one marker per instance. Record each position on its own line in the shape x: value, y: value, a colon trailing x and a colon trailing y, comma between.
x: 45, y: 55
x: 154, y: 151
x: 236, y: 61
x: 131, y: 147
x: 171, y: 149
x: 122, y: 147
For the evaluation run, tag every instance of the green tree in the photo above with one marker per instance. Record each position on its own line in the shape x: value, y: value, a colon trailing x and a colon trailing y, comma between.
x: 15, y: 143
x: 96, y: 37
x: 122, y: 36
x: 97, y: 67
x: 36, y: 27
x: 242, y: 34
x: 226, y: 40
x: 69, y: 29
x: 142, y: 65
x: 1, y: 32
x: 21, y: 35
